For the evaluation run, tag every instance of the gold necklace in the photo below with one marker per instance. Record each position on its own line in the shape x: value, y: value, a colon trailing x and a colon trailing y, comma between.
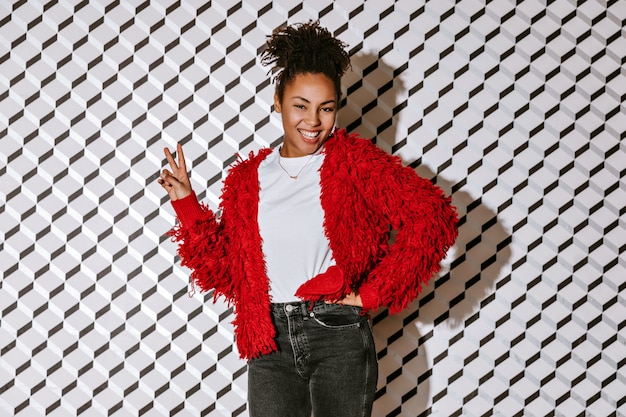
x: 293, y: 177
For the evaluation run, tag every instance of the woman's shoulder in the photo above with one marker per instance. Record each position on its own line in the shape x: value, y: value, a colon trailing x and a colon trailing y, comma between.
x: 350, y: 142
x: 251, y: 161
x: 355, y: 146
x: 244, y: 166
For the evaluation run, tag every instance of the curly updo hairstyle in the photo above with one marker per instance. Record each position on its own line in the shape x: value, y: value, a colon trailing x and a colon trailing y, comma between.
x: 305, y: 48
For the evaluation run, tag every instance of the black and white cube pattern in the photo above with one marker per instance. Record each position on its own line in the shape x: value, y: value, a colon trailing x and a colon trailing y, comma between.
x: 515, y: 108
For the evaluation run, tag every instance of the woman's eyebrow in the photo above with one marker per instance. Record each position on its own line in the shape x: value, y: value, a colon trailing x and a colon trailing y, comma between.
x: 308, y: 101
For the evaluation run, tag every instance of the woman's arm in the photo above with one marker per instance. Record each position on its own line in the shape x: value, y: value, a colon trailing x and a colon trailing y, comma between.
x: 199, y: 235
x: 424, y: 221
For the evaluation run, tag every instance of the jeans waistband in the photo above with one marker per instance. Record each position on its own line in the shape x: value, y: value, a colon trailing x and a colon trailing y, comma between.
x: 304, y: 308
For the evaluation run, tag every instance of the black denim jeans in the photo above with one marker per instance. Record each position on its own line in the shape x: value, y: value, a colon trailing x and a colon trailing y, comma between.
x: 325, y: 364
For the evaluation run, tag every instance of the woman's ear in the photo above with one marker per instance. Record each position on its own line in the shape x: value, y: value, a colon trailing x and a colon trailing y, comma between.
x: 276, y: 103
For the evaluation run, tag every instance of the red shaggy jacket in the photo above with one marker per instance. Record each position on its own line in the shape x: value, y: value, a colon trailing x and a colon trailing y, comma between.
x: 364, y: 192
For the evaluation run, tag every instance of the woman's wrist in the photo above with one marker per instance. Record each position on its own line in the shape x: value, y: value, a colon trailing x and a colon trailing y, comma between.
x: 188, y: 209
x: 181, y: 194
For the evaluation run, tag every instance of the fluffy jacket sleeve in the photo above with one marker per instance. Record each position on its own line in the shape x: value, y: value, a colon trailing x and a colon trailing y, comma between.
x: 424, y: 221
x: 201, y: 246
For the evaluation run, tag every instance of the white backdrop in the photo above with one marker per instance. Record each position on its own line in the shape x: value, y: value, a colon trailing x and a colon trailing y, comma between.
x: 516, y: 109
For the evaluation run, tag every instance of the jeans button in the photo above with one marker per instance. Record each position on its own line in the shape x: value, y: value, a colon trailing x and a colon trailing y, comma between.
x: 289, y: 308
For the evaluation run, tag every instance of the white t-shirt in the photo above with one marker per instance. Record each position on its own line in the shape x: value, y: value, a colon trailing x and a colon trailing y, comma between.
x: 291, y: 223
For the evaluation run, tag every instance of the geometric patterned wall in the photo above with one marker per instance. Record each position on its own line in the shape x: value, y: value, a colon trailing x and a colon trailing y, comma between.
x: 515, y: 108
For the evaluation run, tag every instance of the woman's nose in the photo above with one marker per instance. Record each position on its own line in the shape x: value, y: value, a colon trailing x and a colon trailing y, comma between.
x: 312, y: 118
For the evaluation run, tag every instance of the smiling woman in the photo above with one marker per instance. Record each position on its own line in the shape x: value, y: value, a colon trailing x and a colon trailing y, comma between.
x: 301, y: 247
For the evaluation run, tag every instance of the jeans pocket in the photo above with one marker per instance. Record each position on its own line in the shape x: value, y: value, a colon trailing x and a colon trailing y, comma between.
x: 338, y: 317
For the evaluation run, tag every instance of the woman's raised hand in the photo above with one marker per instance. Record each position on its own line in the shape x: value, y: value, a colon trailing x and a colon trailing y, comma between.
x: 175, y: 182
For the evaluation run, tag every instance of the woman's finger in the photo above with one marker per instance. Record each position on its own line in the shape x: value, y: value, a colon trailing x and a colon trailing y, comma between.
x: 163, y: 177
x: 181, y: 157
x: 163, y: 181
x: 170, y: 159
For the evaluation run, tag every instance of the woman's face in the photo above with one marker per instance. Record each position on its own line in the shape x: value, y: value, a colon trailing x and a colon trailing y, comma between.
x: 308, y: 109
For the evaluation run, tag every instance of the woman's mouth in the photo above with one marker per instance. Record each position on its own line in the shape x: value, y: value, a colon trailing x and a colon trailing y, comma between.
x: 308, y: 135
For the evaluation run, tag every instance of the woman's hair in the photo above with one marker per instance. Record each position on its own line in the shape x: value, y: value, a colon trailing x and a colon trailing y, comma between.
x: 305, y: 48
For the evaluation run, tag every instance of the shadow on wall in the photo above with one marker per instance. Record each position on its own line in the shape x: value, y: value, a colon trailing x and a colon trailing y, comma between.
x: 476, y: 261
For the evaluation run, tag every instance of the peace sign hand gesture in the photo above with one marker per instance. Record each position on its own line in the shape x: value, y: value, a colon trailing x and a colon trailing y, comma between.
x: 175, y: 182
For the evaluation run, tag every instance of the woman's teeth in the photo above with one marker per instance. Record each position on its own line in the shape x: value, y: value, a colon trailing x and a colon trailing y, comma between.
x: 309, y: 135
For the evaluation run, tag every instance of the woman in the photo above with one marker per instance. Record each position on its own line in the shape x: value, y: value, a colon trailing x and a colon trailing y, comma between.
x: 301, y: 247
